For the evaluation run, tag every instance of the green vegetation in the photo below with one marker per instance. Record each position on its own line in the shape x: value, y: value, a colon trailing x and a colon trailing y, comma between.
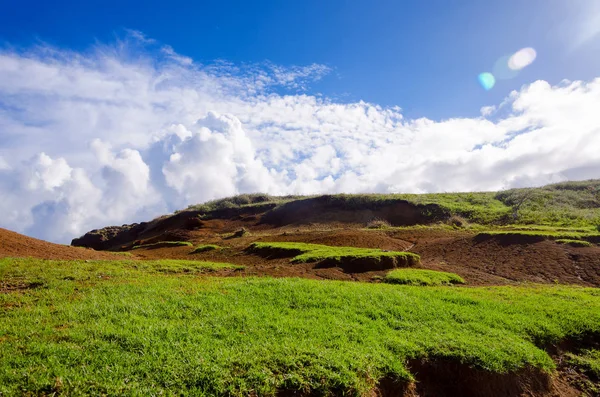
x: 92, y: 328
x: 180, y: 266
x: 588, y: 361
x: 120, y: 253
x: 546, y: 234
x: 165, y: 244
x: 568, y: 204
x: 422, y: 277
x: 303, y: 252
x: 574, y: 243
x: 560, y: 204
x: 205, y: 247
x: 240, y: 201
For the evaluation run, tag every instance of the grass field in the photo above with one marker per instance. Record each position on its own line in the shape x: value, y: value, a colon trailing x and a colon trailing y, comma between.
x: 128, y: 328
x: 422, y: 277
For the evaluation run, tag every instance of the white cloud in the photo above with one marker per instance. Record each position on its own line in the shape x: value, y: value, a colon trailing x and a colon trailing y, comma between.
x: 4, y: 166
x: 487, y: 110
x: 165, y: 132
x: 46, y: 173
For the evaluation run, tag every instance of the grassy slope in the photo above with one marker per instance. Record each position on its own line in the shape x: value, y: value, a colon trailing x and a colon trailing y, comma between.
x: 303, y: 252
x: 109, y: 327
x: 422, y: 277
x: 570, y: 204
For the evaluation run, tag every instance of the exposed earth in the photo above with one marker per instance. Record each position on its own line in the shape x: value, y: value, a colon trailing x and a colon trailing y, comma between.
x: 492, y: 261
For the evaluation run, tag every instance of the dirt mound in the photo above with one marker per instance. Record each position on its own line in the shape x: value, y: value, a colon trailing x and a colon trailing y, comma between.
x: 346, y: 238
x: 326, y: 210
x: 166, y: 228
x: 17, y: 245
x: 361, y: 265
x: 445, y: 377
x: 332, y: 209
x: 480, y: 260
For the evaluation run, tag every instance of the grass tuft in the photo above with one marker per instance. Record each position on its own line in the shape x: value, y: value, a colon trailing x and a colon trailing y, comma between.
x: 574, y: 243
x: 378, y: 223
x: 540, y: 234
x: 303, y: 253
x: 205, y: 247
x: 422, y: 277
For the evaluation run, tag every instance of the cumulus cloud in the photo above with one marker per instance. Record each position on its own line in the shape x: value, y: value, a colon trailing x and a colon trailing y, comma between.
x: 216, y: 159
x: 125, y: 132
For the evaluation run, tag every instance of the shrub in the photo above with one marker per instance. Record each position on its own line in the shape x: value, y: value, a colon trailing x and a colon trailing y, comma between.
x: 378, y: 223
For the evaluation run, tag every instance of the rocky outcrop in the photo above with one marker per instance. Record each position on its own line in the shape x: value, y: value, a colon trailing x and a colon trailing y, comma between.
x: 165, y: 228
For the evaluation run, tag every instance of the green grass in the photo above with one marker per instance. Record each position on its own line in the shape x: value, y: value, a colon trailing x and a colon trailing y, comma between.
x: 205, y: 247
x: 303, y: 253
x: 575, y: 243
x: 128, y: 254
x: 165, y: 244
x: 181, y: 266
x: 567, y: 204
x: 422, y: 277
x: 588, y: 361
x: 91, y: 328
x: 545, y: 234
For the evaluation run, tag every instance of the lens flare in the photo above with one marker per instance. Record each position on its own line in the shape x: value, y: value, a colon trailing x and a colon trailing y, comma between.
x: 502, y: 71
x: 522, y: 58
x: 487, y: 81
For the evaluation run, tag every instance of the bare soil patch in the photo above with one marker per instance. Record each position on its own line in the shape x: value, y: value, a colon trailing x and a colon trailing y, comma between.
x: 17, y: 245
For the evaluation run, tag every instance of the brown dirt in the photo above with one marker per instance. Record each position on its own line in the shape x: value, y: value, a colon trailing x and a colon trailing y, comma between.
x: 487, y: 262
x: 16, y: 285
x: 479, y: 261
x: 493, y: 262
x: 17, y: 245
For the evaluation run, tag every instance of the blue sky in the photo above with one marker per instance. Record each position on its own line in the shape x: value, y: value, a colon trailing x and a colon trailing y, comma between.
x: 423, y: 56
x: 117, y: 112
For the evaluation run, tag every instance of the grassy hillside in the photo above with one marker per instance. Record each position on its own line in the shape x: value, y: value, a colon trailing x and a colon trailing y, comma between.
x: 125, y: 328
x: 568, y: 204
